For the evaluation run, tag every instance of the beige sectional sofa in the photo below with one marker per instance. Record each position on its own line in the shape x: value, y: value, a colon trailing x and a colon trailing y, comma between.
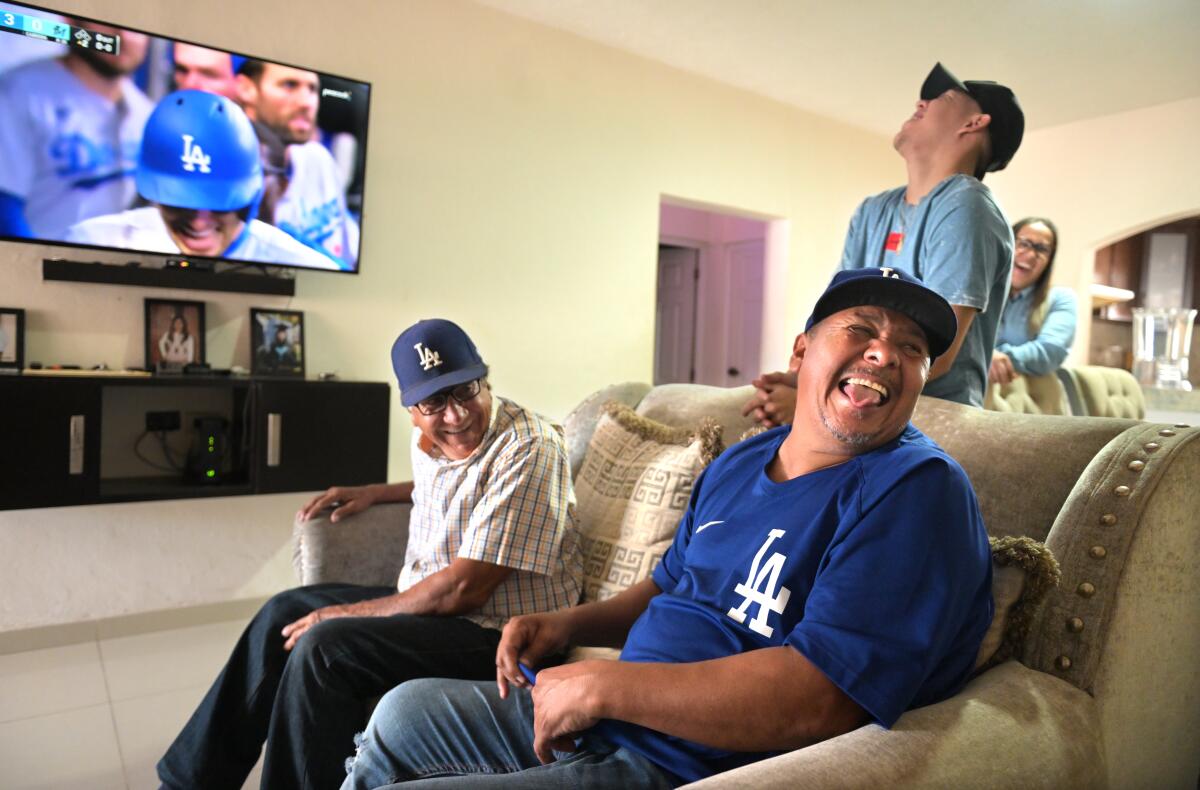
x: 1104, y: 692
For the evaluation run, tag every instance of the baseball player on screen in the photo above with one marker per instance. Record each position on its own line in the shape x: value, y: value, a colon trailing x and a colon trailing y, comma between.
x: 203, y: 69
x: 199, y: 164
x: 313, y: 209
x: 69, y: 134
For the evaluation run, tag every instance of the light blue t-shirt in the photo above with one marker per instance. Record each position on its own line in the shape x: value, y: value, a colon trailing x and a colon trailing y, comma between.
x: 1037, y: 355
x: 960, y: 244
x: 877, y: 570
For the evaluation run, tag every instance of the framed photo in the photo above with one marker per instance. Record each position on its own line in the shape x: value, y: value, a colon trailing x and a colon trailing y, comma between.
x: 12, y: 338
x: 276, y: 342
x: 174, y: 333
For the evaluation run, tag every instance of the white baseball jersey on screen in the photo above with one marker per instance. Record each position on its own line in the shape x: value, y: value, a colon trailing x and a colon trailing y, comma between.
x: 144, y: 229
x: 313, y: 209
x: 69, y: 153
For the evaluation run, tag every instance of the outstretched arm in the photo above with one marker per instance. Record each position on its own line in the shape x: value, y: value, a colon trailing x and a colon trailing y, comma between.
x: 348, y: 500
x: 460, y: 588
x: 1045, y: 353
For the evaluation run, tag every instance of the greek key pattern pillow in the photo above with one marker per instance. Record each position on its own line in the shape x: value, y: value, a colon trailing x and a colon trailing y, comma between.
x: 632, y: 489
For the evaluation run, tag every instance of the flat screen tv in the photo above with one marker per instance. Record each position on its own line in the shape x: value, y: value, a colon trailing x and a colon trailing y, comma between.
x: 115, y: 139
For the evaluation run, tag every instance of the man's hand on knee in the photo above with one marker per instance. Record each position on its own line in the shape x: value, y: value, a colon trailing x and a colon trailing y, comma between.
x: 562, y: 705
x: 293, y: 631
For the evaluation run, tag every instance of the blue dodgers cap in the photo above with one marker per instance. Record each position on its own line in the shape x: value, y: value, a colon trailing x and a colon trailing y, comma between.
x: 896, y: 290
x: 433, y: 355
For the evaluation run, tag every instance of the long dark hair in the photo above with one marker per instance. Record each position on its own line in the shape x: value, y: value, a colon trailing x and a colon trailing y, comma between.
x: 171, y: 327
x: 1041, y: 288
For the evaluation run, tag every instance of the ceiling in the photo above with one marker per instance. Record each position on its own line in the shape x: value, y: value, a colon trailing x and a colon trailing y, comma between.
x: 862, y: 61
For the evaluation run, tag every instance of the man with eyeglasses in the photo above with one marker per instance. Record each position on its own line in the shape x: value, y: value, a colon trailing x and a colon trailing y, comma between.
x: 492, y: 535
x: 943, y: 226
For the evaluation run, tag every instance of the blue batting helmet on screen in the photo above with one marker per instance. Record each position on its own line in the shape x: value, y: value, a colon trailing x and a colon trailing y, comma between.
x: 199, y: 151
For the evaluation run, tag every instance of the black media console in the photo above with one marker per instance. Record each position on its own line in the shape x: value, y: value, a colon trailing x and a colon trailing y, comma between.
x: 70, y: 440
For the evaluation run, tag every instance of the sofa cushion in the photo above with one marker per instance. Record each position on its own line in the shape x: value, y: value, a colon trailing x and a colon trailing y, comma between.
x: 684, y: 405
x: 632, y: 490
x: 1023, y: 571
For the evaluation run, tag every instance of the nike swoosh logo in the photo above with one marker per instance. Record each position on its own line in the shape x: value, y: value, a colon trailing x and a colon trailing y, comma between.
x: 706, y: 525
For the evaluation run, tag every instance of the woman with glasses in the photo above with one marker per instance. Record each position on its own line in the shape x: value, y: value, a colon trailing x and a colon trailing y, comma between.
x: 1038, y: 324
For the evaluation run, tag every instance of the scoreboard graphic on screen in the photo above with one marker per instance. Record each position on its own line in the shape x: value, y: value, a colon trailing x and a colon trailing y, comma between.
x: 56, y: 30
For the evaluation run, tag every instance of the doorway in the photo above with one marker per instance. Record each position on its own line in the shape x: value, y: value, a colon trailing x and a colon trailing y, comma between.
x: 712, y: 295
x: 675, y: 314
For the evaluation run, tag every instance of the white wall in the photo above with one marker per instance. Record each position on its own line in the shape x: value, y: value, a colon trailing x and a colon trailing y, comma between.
x: 1102, y: 180
x: 514, y: 181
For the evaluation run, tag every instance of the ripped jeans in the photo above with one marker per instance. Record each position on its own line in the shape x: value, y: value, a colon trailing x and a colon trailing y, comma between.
x: 459, y: 733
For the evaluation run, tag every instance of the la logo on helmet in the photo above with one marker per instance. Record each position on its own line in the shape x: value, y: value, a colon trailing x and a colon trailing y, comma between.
x: 888, y: 271
x: 194, y: 156
x: 428, y: 357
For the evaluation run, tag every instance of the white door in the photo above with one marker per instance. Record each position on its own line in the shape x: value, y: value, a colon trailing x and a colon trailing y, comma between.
x: 744, y: 349
x: 675, y: 315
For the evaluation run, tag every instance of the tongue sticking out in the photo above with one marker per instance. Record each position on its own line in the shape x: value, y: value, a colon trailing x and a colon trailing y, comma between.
x: 861, y: 396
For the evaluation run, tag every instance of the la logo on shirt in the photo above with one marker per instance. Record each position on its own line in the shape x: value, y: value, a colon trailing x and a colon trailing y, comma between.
x: 760, y: 588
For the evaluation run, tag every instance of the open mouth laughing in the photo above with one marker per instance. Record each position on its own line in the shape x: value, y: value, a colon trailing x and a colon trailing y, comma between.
x: 863, y: 392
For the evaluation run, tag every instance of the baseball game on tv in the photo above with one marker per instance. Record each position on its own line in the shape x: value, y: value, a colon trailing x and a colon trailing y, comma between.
x: 111, y: 138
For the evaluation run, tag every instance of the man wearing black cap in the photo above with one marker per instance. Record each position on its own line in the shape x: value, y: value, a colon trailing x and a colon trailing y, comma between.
x: 823, y: 576
x: 491, y: 535
x: 943, y: 226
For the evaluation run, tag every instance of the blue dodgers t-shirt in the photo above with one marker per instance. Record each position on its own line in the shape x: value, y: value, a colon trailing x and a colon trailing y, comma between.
x: 959, y: 242
x: 877, y: 570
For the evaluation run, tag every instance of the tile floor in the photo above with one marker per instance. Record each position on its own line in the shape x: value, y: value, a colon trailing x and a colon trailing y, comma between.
x: 99, y: 714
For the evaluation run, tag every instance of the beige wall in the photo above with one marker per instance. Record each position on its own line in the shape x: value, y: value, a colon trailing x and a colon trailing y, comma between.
x: 514, y: 179
x: 1102, y: 180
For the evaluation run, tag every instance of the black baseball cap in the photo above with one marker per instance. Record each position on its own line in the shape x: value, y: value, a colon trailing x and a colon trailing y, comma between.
x: 896, y: 290
x: 432, y: 355
x: 1007, y: 126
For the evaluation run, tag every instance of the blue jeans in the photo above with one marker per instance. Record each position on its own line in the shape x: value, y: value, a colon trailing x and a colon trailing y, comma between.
x: 307, y: 704
x: 457, y: 733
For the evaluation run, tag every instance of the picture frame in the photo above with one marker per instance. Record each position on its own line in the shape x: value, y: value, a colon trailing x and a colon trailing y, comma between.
x: 174, y: 334
x: 276, y: 343
x: 12, y: 338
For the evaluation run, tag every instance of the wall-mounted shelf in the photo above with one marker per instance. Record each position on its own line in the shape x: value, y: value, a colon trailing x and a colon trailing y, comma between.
x: 76, y: 439
x: 116, y: 274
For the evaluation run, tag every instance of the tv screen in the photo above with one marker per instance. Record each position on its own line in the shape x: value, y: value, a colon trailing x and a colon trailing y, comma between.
x: 111, y: 138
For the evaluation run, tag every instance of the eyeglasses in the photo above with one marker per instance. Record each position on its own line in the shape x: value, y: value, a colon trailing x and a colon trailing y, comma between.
x: 1034, y: 246
x: 436, y: 403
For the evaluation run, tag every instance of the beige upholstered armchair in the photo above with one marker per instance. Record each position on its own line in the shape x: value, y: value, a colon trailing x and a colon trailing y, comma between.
x: 1029, y: 395
x: 1107, y: 392
x: 1104, y: 692
x: 1087, y: 391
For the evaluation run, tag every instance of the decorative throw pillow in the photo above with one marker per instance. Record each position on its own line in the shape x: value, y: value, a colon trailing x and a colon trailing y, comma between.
x: 632, y: 490
x: 1023, y: 572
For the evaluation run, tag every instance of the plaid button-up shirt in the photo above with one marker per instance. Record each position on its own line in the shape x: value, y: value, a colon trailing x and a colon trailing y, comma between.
x: 509, y: 503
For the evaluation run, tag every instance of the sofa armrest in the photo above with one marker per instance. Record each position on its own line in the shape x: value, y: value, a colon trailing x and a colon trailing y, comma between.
x: 366, y: 548
x: 1010, y: 727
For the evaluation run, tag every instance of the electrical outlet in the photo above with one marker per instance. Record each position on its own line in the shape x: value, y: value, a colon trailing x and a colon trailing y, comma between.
x: 162, y: 421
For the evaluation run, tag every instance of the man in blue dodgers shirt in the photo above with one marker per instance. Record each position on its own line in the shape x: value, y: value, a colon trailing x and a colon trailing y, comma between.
x: 825, y: 575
